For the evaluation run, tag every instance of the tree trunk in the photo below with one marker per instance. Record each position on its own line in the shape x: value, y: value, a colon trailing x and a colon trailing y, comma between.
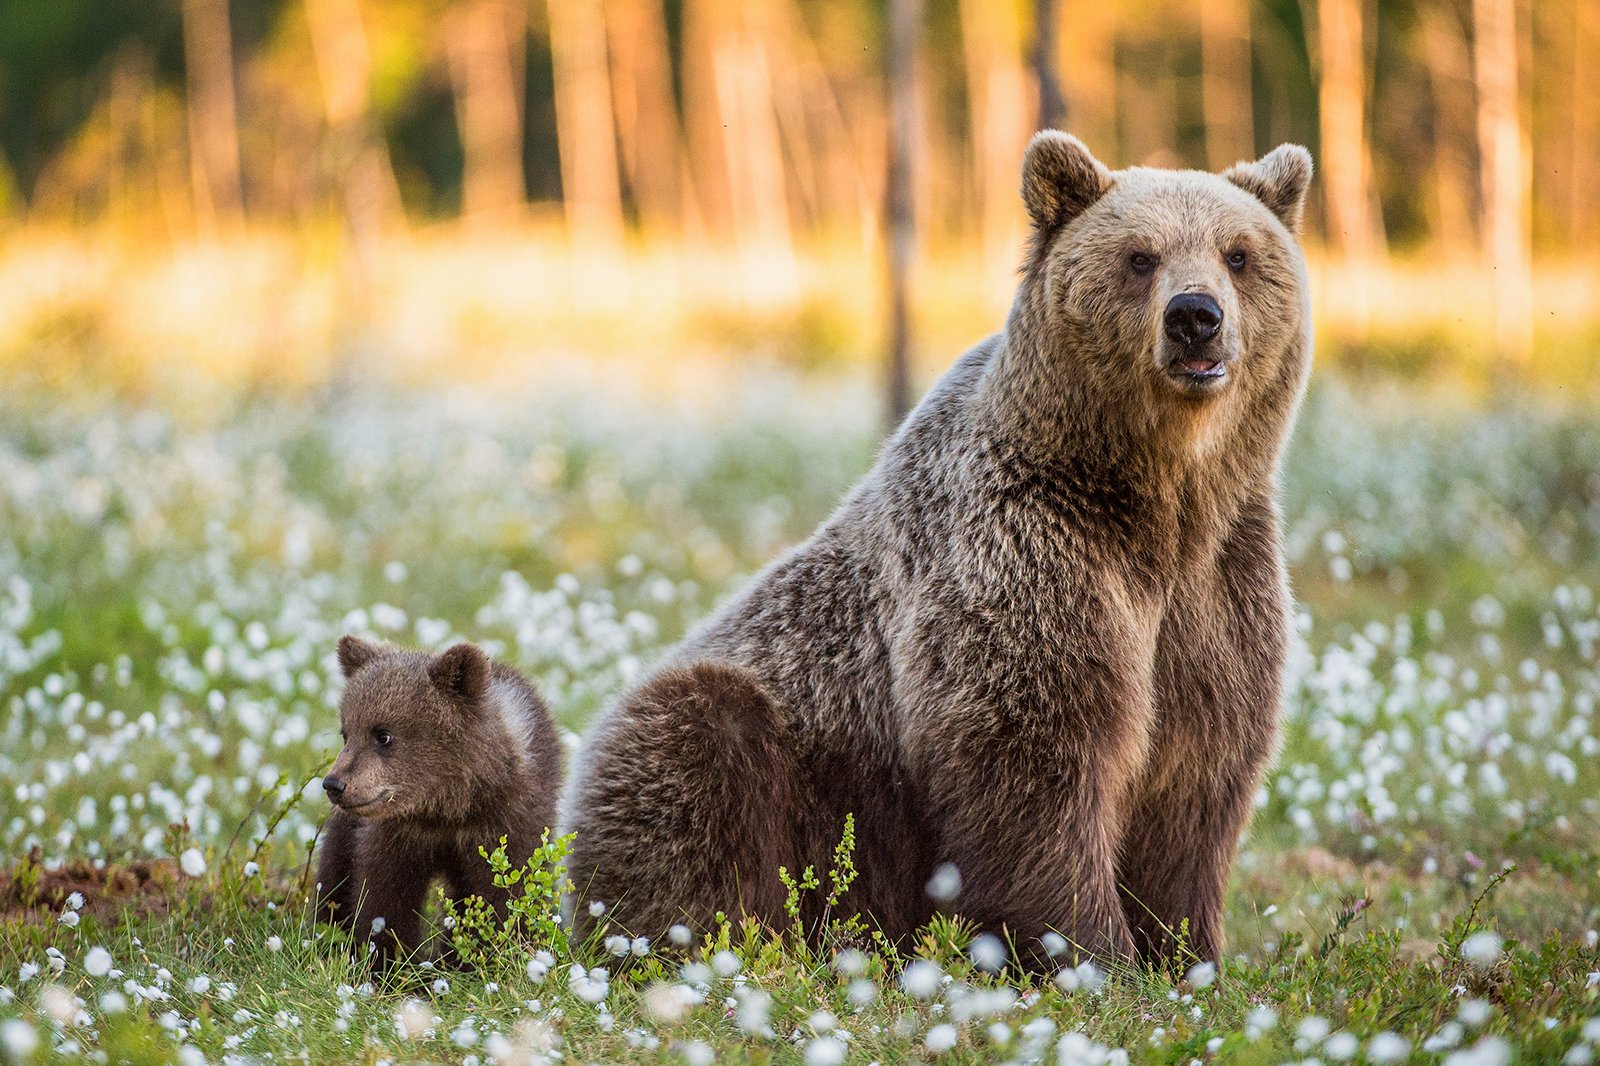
x: 483, y: 39
x: 999, y: 106
x: 1353, y: 225
x: 1089, y: 60
x: 1052, y: 105
x: 647, y: 113
x: 1585, y: 118
x: 1450, y: 85
x: 359, y: 158
x: 1504, y: 172
x: 213, y: 115
x: 1225, y: 82
x: 905, y: 23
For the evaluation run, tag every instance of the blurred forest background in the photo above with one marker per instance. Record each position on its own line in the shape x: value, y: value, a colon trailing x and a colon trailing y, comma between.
x: 280, y: 190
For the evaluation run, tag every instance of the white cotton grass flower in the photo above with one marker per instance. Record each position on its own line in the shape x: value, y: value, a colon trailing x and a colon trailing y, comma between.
x: 1310, y: 1032
x: 695, y: 1052
x: 1490, y: 1051
x: 21, y: 1040
x: 1388, y: 1047
x: 591, y: 986
x: 825, y: 1051
x: 852, y: 962
x: 113, y: 1002
x: 945, y: 884
x: 1261, y: 1020
x: 639, y: 946
x: 941, y: 1038
x: 726, y: 964
x: 274, y: 943
x: 1084, y: 977
x: 1474, y: 1012
x: 1482, y: 950
x: 59, y: 1004
x: 754, y: 1012
x: 413, y: 1020
x: 988, y: 953
x: 921, y: 979
x: 1341, y: 1046
x: 69, y: 919
x: 668, y: 1003
x: 75, y: 901
x: 252, y: 868
x: 1055, y: 945
x: 1202, y: 975
x: 200, y: 985
x: 617, y: 945
x: 596, y: 908
x: 680, y: 936
x: 193, y: 862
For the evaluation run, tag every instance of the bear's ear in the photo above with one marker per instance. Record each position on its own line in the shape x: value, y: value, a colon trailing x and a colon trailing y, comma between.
x: 354, y: 653
x: 1278, y: 179
x: 1060, y: 178
x: 461, y: 671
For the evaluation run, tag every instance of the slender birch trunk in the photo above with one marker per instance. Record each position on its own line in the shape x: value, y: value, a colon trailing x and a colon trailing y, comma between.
x: 1505, y: 173
x: 213, y: 115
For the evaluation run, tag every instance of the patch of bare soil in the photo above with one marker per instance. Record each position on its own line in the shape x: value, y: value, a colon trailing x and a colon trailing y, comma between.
x: 31, y: 893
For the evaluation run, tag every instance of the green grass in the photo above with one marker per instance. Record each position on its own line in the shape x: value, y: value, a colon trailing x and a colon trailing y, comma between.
x: 170, y: 594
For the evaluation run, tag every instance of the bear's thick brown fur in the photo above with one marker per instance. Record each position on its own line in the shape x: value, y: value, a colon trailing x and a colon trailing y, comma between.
x: 442, y: 754
x: 1041, y: 641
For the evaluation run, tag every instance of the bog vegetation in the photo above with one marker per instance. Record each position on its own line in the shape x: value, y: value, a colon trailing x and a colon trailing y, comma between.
x: 1419, y: 882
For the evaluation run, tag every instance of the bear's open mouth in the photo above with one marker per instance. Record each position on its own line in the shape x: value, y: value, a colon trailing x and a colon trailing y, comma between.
x: 1197, y: 369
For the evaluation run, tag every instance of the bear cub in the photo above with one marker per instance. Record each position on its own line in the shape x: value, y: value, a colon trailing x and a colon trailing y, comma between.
x: 442, y: 753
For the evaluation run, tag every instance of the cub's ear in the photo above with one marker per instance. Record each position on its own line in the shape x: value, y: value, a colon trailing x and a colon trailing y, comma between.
x: 354, y: 653
x: 461, y: 671
x: 1278, y: 179
x: 1060, y: 178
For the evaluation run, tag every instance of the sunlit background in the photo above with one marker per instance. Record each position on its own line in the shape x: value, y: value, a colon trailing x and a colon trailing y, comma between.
x: 278, y: 192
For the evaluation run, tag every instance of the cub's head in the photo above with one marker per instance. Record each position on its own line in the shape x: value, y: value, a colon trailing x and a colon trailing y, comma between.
x: 413, y: 724
x: 1181, y: 285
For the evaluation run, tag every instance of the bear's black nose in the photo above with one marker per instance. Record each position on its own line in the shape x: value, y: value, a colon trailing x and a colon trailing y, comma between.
x: 1193, y: 318
x: 334, y: 787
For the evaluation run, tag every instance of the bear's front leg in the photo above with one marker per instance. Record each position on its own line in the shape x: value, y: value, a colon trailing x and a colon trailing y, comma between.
x: 1028, y: 731
x: 1032, y: 833
x: 1219, y: 667
x: 394, y: 886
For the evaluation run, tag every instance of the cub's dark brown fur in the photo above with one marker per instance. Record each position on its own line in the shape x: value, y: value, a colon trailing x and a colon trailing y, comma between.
x: 1042, y: 641
x: 442, y: 754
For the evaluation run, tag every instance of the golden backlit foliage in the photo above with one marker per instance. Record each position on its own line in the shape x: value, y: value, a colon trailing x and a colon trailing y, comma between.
x: 283, y: 186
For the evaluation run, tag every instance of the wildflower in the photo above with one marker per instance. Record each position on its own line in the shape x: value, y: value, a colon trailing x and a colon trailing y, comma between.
x: 725, y: 963
x: 193, y: 862
x: 941, y: 1038
x: 680, y: 936
x: 1341, y: 1046
x: 1388, y: 1047
x: 696, y: 1052
x: 851, y: 962
x: 825, y: 1051
x: 596, y: 908
x: 667, y: 1003
x: 252, y: 868
x: 921, y: 979
x: 69, y: 919
x: 617, y: 945
x: 945, y: 884
x: 1202, y: 975
x: 20, y: 1040
x: 1474, y: 1012
x: 988, y: 953
x: 1482, y: 950
x: 200, y: 985
x: 861, y: 993
x: 274, y: 943
x: 413, y: 1020
x: 97, y: 962
x: 1490, y: 1051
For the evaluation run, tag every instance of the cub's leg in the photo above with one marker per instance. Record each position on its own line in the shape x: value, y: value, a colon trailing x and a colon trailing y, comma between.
x: 1219, y: 664
x: 684, y: 804
x: 395, y: 871
x: 337, y: 885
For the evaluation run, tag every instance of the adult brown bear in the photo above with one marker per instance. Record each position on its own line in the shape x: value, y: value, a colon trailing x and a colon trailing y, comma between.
x: 1041, y: 641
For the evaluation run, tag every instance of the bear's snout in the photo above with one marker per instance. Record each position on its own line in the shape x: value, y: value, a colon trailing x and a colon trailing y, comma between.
x: 1193, y: 318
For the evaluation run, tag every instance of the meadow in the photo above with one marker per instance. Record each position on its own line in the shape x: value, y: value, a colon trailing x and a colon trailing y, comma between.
x: 1421, y: 882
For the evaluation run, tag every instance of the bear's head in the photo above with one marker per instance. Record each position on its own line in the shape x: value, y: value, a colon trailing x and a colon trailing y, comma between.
x: 420, y: 734
x: 1183, y: 290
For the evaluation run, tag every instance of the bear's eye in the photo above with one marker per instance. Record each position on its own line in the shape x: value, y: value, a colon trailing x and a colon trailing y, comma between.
x: 383, y: 737
x: 1141, y: 263
x: 1237, y: 259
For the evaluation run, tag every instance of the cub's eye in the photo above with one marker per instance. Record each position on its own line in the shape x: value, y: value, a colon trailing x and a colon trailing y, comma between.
x: 1236, y: 259
x: 383, y: 737
x: 1141, y: 263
